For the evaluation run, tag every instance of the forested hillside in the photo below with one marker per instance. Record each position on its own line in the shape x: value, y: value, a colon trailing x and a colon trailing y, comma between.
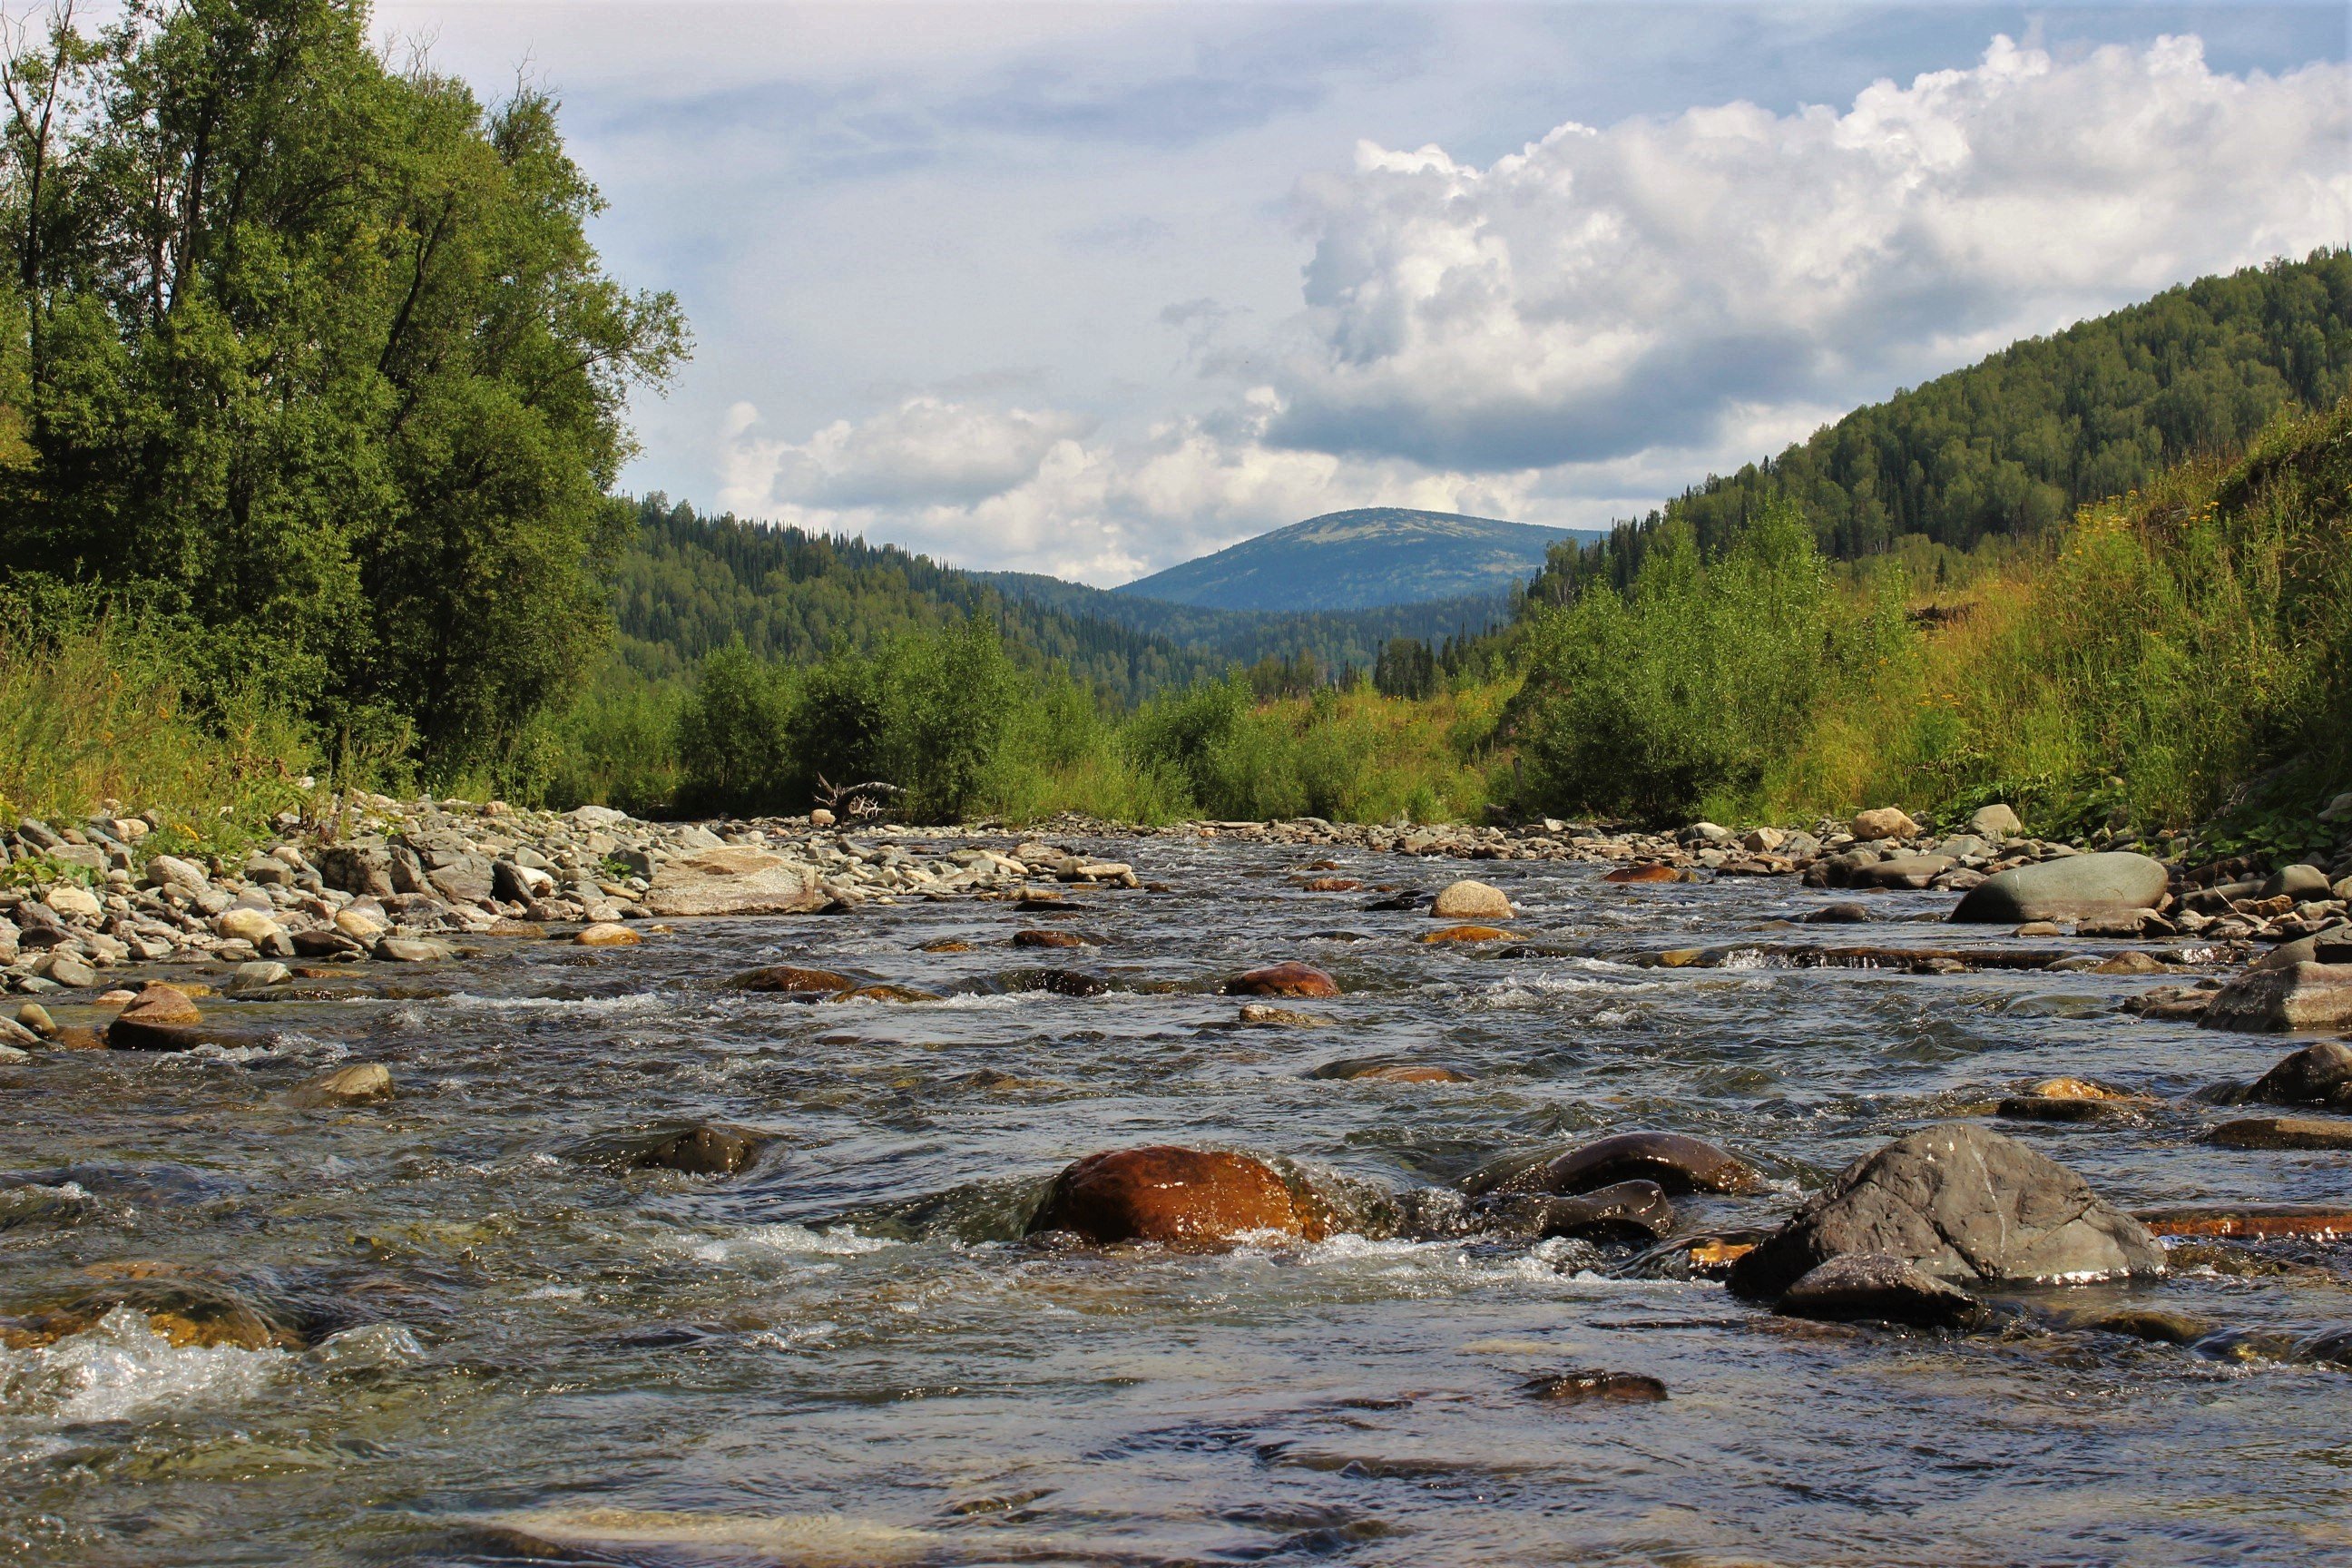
x: 2009, y: 448
x: 690, y: 585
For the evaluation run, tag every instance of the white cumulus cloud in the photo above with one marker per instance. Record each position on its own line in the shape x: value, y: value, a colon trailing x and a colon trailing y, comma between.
x: 1577, y: 331
x: 1606, y: 291
x: 924, y: 451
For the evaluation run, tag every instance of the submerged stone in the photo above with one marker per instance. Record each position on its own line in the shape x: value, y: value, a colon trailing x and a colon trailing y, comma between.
x: 1675, y: 1162
x: 359, y: 1083
x: 1587, y: 1387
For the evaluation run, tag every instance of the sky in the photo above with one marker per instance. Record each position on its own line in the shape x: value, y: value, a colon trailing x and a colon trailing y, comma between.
x: 1094, y: 290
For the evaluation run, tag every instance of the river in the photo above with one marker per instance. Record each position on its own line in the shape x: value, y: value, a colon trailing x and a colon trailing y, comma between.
x: 513, y: 1351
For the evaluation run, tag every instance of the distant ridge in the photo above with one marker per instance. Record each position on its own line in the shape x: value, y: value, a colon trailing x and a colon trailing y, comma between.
x: 1361, y: 559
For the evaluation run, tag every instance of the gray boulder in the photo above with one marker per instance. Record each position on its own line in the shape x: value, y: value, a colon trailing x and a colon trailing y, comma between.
x: 2069, y: 887
x: 1995, y: 821
x: 1960, y: 1203
x: 2301, y: 883
x: 2290, y: 996
x: 359, y: 868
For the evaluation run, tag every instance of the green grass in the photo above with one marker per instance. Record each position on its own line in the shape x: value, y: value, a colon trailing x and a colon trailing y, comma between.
x: 95, y: 716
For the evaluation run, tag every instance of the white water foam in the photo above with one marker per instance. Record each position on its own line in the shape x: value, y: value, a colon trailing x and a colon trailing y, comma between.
x: 592, y: 1006
x: 791, y: 1240
x: 121, y: 1369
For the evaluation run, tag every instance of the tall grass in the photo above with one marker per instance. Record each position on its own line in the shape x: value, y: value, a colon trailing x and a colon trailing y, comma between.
x: 96, y: 715
x: 2145, y: 667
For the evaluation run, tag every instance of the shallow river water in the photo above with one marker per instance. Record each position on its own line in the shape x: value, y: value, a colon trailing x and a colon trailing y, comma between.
x: 519, y: 1354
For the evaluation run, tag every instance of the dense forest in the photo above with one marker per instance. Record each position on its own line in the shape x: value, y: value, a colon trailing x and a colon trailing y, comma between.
x: 2013, y: 446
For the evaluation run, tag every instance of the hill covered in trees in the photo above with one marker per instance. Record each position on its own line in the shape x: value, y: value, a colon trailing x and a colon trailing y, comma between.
x: 690, y: 585
x: 2009, y: 448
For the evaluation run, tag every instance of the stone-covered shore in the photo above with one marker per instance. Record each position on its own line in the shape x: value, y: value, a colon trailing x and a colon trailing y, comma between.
x: 400, y: 881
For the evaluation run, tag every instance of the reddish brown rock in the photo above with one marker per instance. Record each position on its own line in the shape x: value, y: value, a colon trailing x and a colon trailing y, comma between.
x: 1330, y: 885
x: 1291, y: 978
x: 2320, y: 1220
x: 1374, y: 1070
x: 1650, y: 871
x: 1178, y: 1198
x: 1468, y: 933
x: 1048, y: 938
x: 792, y: 980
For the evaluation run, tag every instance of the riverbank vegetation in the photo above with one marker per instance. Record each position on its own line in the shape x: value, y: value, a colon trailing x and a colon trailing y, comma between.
x: 313, y: 398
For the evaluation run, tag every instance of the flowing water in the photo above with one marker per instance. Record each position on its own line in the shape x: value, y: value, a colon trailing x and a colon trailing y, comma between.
x: 512, y: 1352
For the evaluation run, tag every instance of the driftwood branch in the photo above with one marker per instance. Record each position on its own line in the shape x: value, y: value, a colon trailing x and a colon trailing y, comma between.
x: 856, y: 799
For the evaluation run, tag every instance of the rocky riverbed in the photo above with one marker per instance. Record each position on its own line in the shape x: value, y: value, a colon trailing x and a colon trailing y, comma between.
x: 582, y: 1189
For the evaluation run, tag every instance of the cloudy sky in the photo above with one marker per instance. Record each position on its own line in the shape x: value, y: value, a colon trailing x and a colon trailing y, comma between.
x: 1094, y: 290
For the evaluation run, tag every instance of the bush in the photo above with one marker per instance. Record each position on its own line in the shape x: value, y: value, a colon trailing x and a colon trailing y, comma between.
x: 1689, y: 686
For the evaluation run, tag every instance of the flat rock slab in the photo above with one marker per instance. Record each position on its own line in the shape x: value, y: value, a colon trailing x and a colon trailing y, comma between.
x: 2291, y: 996
x: 2285, y: 1132
x: 734, y: 881
x: 2071, y: 887
x: 2318, y: 1220
x: 1900, y: 871
x: 1961, y: 1203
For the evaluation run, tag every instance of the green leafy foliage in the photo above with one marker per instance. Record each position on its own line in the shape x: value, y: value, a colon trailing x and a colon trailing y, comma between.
x: 1684, y: 688
x: 317, y: 354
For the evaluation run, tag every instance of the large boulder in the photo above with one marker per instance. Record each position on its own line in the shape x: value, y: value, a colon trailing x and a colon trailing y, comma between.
x: 2301, y: 883
x: 1178, y: 1198
x: 2291, y: 996
x: 1468, y: 900
x: 2066, y: 889
x: 1960, y: 1203
x: 734, y: 881
x: 2319, y: 1074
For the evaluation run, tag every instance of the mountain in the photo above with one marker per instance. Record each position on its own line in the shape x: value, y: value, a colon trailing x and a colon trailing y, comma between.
x: 1359, y: 560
